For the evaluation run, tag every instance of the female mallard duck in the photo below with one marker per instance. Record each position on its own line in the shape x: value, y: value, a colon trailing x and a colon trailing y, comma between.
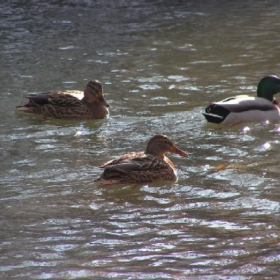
x: 69, y: 104
x: 143, y: 167
x: 244, y: 108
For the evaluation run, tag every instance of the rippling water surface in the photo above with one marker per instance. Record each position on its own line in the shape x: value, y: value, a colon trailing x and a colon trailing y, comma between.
x: 161, y: 63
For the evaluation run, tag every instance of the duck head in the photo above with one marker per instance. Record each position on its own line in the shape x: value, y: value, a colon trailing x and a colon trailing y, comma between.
x: 161, y: 144
x: 94, y: 93
x: 268, y: 86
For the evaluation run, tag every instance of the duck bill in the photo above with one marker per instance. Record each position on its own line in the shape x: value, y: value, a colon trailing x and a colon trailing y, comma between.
x: 179, y: 152
x: 103, y: 101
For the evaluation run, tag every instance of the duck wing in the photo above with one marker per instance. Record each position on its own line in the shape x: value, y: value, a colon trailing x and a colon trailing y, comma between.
x: 243, y: 103
x: 60, y: 99
x: 137, y: 161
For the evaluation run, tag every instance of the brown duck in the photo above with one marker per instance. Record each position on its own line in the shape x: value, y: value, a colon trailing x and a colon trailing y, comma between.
x: 143, y: 167
x: 70, y: 104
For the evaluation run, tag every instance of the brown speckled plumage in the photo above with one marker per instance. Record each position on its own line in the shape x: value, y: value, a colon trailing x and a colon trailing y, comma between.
x: 65, y: 104
x: 143, y: 167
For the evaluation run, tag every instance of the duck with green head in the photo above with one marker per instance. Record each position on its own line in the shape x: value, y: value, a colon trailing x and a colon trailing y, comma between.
x: 245, y: 108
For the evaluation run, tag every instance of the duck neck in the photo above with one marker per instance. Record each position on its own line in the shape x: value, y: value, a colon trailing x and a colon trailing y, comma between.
x: 166, y: 159
x: 265, y: 94
x: 154, y: 153
x: 267, y: 91
x: 84, y: 100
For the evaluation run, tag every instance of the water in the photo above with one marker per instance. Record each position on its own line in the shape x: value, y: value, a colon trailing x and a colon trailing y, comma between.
x: 160, y: 63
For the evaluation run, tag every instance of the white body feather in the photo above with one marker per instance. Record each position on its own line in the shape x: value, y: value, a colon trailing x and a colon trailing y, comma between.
x: 244, y: 108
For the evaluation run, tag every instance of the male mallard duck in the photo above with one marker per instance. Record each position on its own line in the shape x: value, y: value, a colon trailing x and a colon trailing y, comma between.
x: 143, y: 167
x: 69, y: 104
x: 244, y: 108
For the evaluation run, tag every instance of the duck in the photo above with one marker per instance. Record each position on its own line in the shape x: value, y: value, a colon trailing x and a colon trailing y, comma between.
x: 245, y: 108
x: 145, y: 166
x: 69, y: 104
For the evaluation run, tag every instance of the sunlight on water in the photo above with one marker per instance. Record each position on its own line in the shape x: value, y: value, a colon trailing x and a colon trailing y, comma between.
x: 266, y: 146
x: 246, y: 129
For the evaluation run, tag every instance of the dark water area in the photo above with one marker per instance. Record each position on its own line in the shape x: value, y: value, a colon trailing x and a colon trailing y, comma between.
x: 161, y: 63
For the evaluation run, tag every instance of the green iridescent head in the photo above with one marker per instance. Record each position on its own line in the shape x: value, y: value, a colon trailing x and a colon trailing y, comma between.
x: 268, y: 86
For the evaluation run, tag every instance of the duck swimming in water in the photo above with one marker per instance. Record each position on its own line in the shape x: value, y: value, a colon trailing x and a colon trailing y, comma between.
x: 69, y: 104
x: 143, y: 167
x: 245, y: 108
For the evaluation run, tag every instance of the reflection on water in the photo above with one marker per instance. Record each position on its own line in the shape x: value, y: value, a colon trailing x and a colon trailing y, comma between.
x: 160, y: 63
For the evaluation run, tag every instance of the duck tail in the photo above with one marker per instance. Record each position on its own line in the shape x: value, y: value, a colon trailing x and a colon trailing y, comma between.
x: 215, y: 113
